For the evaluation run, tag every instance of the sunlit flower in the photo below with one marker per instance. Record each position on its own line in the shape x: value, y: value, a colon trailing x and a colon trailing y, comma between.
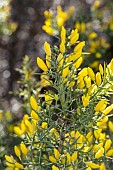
x: 41, y: 64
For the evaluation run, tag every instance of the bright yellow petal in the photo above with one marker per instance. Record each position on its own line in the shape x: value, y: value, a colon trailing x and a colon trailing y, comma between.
x: 41, y: 64
x: 33, y: 103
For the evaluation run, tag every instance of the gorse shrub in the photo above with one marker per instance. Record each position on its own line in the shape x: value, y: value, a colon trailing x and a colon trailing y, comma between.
x: 68, y: 125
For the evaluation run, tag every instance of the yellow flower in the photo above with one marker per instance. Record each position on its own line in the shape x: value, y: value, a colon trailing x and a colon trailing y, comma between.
x: 98, y: 79
x: 11, y: 166
x: 33, y: 103
x: 62, y: 47
x: 47, y: 48
x: 41, y: 64
x: 11, y: 163
x: 110, y: 152
x: 94, y: 64
x: 97, y: 133
x: 56, y: 97
x: 101, y: 69
x: 63, y: 34
x: 18, y: 165
x: 102, y: 137
x: 108, y: 109
x: 92, y: 35
x: 79, y: 138
x: 83, y: 27
x: 68, y: 157
x: 110, y: 124
x: 89, y: 135
x: 83, y: 72
x: 44, y: 125
x: 29, y: 126
x: 60, y: 21
x: 71, y: 168
x: 88, y: 168
x: 55, y: 168
x: 98, y: 55
x: 102, y: 166
x: 53, y: 130
x: 18, y: 131
x: 73, y: 134
x: 63, y: 159
x: 91, y: 73
x: 87, y: 81
x: 48, y: 29
x: 8, y: 116
x: 74, y: 36
x: 103, y: 107
x: 107, y: 144
x: 26, y: 116
x: 102, y: 121
x: 56, y: 153
x: 24, y: 149
x: 17, y: 151
x: 92, y: 89
x: 74, y: 156
x: 48, y: 22
x: 71, y: 84
x: 78, y: 26
x: 78, y: 62
x: 57, y: 135
x: 96, y: 147
x: 52, y: 159
x: 65, y: 71
x: 48, y: 99
x: 61, y: 17
x: 92, y: 165
x: 74, y: 56
x: 85, y: 100
x: 34, y: 115
x: 10, y: 159
x: 79, y: 46
x: 96, y: 4
x: 81, y: 84
x: 48, y: 14
x: 87, y: 149
x: 99, y: 105
x: 48, y: 59
x: 99, y: 153
x: 23, y: 127
x: 60, y: 60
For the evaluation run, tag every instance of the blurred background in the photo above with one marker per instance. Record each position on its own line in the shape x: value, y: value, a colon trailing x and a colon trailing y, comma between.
x: 23, y: 30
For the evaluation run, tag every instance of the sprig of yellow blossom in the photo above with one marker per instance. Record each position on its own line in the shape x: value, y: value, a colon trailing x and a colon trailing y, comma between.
x: 67, y: 125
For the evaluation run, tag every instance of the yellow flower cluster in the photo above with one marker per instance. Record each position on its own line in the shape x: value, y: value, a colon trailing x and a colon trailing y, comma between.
x: 11, y: 162
x: 96, y: 46
x: 102, y: 147
x: 73, y: 57
x: 67, y: 127
x: 52, y: 23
